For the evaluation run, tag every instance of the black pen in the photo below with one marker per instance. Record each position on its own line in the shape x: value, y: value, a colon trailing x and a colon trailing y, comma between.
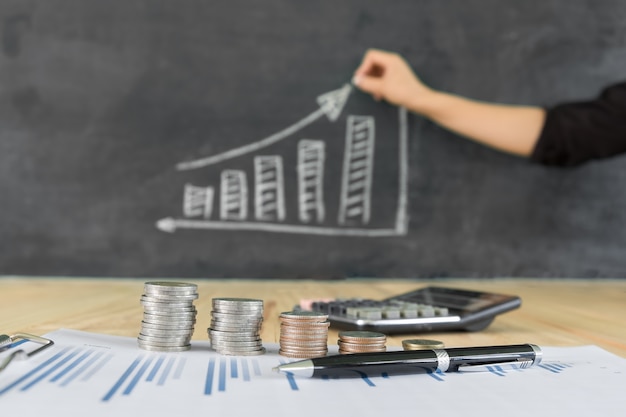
x: 414, y: 361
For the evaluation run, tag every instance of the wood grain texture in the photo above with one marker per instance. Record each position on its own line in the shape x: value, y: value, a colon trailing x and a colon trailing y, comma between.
x: 553, y: 312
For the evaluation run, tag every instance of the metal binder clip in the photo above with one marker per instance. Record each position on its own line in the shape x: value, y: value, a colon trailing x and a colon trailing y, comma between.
x: 6, y: 341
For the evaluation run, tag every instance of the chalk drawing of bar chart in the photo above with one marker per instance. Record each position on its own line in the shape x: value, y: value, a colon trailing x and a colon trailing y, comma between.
x: 235, y: 202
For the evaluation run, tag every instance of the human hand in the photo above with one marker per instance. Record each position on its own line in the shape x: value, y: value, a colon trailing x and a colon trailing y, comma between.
x: 386, y: 75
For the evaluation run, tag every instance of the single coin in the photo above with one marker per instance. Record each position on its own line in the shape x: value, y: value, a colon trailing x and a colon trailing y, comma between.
x: 246, y: 353
x: 235, y: 345
x: 162, y: 344
x: 167, y: 305
x: 167, y: 293
x: 312, y: 352
x: 176, y: 314
x: 218, y: 315
x: 168, y: 326
x: 165, y: 286
x: 243, y: 304
x: 227, y: 342
x: 361, y: 335
x: 174, y: 320
x: 302, y: 355
x: 228, y: 300
x: 362, y: 350
x: 183, y: 295
x: 348, y: 345
x: 238, y: 302
x: 151, y: 331
x: 303, y: 344
x: 303, y: 315
x: 239, y: 309
x: 159, y: 314
x: 164, y: 338
x: 303, y: 337
x: 235, y: 328
x: 167, y: 298
x: 172, y: 310
x: 164, y: 348
x: 232, y: 336
x: 302, y: 326
x: 421, y: 344
x: 243, y: 320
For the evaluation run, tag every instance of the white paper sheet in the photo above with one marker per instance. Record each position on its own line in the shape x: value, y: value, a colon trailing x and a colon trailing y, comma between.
x: 86, y: 374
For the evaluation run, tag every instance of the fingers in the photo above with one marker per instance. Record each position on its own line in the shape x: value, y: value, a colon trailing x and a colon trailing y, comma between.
x: 368, y: 75
x: 370, y: 85
x: 374, y: 64
x: 373, y: 72
x: 386, y: 75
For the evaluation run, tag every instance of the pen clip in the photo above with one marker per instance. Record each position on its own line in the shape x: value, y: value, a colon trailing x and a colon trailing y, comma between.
x: 7, y: 341
x: 520, y: 363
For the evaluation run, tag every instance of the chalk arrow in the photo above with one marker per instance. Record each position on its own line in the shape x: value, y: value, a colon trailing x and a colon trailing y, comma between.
x: 331, y: 104
x: 167, y: 224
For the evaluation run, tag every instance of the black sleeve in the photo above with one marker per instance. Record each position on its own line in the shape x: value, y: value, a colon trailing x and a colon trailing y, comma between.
x: 574, y: 133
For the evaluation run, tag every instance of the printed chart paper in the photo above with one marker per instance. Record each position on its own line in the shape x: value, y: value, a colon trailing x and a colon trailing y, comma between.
x: 101, y: 375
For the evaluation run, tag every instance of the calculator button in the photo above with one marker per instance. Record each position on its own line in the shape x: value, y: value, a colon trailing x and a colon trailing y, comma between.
x: 370, y: 313
x: 441, y: 311
x: 391, y: 312
x: 409, y: 312
x: 366, y: 309
x: 426, y: 311
x: 352, y: 312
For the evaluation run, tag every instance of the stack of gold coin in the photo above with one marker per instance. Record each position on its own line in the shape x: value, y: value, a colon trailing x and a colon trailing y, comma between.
x: 303, y: 334
x: 361, y: 341
x: 421, y: 344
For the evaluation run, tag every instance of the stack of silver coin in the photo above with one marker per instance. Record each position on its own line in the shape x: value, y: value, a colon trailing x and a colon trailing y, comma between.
x: 303, y: 334
x: 358, y: 341
x: 235, y: 326
x: 169, y: 316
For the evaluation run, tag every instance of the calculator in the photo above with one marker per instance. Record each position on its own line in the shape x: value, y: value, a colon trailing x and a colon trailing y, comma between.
x: 429, y: 309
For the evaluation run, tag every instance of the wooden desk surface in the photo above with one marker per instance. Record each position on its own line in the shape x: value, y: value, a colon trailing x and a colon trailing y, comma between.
x: 553, y: 313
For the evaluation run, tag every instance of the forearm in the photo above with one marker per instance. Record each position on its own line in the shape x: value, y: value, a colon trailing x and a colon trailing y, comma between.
x: 512, y: 129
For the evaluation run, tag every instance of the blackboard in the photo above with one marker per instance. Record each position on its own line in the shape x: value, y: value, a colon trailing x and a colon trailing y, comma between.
x: 189, y: 138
